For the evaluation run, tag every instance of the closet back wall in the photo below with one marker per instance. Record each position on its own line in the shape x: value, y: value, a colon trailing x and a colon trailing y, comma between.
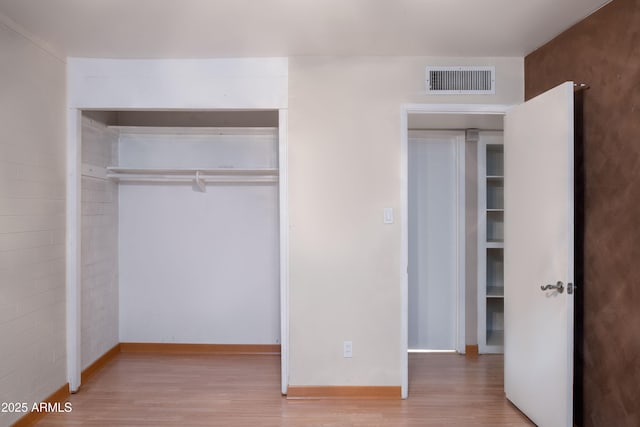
x: 199, y: 267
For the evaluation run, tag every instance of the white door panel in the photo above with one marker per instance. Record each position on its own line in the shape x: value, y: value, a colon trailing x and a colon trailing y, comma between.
x: 539, y: 251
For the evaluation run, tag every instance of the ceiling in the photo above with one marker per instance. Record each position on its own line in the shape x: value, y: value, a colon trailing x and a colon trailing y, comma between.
x: 227, y: 28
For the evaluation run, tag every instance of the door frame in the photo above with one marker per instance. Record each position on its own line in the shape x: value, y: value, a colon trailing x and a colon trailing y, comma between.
x: 405, y: 110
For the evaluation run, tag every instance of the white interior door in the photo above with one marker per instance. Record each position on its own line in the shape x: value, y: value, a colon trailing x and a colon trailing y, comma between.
x: 539, y: 251
x: 433, y: 239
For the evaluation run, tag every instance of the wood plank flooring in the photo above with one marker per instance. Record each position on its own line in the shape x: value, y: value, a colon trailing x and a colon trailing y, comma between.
x: 222, y: 390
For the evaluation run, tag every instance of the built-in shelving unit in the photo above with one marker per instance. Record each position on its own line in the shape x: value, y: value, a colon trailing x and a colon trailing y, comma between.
x: 490, y: 243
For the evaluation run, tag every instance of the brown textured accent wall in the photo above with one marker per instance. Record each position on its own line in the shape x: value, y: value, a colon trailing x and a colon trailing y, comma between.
x: 604, y: 52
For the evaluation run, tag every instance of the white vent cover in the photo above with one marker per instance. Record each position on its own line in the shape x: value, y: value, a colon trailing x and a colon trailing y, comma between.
x: 461, y: 80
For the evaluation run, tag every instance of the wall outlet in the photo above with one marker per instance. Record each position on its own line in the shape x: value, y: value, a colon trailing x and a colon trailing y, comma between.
x: 348, y: 349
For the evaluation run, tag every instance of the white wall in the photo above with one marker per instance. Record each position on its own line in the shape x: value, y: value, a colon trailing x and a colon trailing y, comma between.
x: 32, y: 222
x: 99, y: 282
x: 344, y: 168
x: 199, y: 267
x: 345, y: 275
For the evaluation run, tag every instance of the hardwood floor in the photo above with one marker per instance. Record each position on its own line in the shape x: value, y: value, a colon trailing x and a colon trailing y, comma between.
x: 222, y: 390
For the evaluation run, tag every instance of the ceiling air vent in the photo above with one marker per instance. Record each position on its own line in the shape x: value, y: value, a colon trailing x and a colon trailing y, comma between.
x: 461, y: 80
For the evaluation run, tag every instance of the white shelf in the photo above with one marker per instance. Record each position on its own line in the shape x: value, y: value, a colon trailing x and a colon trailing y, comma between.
x: 116, y: 170
x: 172, y: 131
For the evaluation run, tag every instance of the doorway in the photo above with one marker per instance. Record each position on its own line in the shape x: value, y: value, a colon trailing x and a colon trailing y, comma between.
x: 435, y: 117
x: 163, y: 252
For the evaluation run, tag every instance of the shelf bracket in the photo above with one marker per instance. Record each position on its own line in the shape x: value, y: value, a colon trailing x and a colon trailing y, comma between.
x: 199, y: 184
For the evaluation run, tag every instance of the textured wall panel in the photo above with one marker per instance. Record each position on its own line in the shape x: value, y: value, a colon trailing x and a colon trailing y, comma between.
x: 99, y: 322
x: 32, y: 223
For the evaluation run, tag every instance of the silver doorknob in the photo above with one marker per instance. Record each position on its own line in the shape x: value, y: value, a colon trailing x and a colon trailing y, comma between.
x: 558, y: 287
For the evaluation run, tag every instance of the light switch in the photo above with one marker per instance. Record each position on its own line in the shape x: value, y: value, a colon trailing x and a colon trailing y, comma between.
x: 388, y: 215
x: 348, y: 349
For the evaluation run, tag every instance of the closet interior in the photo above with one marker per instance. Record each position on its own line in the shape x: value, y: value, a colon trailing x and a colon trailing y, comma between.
x: 180, y: 228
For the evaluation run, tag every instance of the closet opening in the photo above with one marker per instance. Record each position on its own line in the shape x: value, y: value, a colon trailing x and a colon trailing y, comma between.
x: 452, y: 230
x: 179, y: 230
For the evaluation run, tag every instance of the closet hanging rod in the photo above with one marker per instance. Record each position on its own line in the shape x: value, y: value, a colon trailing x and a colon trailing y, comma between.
x: 191, y: 178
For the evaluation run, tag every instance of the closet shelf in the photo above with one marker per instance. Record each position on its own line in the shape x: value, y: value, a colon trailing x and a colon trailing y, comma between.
x: 170, y: 132
x: 116, y: 171
x: 495, y: 292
